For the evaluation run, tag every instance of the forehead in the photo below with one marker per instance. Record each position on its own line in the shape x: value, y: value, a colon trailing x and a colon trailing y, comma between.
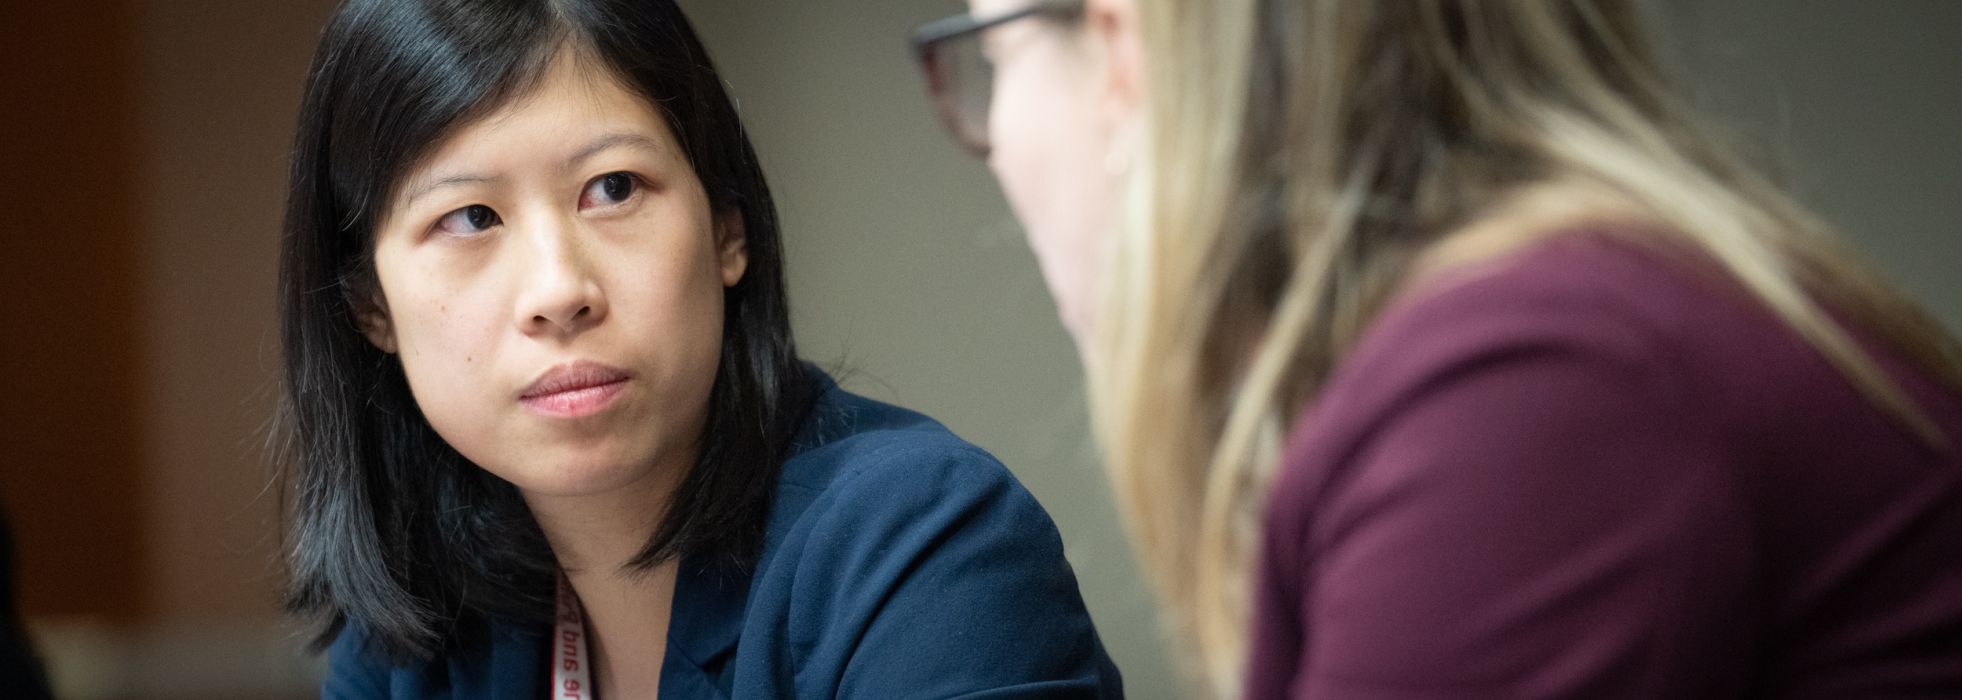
x: 572, y: 99
x: 574, y: 110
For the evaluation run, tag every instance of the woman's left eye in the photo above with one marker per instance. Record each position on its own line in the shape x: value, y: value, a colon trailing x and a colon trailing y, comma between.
x: 609, y: 190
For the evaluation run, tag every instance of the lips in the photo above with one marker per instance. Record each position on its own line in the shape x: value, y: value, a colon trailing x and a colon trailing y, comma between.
x: 575, y: 390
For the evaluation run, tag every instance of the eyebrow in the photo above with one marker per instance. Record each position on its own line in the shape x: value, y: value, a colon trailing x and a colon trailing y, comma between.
x: 597, y: 146
x: 451, y: 181
x: 612, y: 141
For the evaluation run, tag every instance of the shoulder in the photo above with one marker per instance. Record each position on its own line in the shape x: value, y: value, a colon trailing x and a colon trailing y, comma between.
x: 904, y: 561
x: 869, y: 480
x: 353, y: 670
x: 1535, y: 429
x: 504, y: 657
x: 871, y: 454
x: 1585, y: 288
x: 1624, y: 308
x: 1566, y: 362
x: 1580, y: 365
x: 891, y: 500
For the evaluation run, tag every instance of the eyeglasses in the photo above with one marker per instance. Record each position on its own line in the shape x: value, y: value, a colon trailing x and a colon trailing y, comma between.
x: 960, y: 77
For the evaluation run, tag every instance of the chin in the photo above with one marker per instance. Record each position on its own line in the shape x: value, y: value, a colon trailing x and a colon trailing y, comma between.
x: 579, y: 475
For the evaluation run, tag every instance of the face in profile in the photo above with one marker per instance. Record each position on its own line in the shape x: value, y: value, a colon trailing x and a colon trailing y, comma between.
x: 1049, y: 144
x: 551, y: 276
x: 1046, y: 148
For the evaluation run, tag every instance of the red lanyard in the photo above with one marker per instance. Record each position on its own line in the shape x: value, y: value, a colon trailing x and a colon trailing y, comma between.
x: 571, y: 673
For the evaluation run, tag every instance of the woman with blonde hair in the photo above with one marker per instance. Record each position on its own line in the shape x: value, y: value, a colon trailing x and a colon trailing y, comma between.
x: 1437, y: 350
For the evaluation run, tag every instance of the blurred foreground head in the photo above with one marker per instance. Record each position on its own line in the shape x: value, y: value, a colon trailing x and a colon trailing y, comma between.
x: 1223, y: 193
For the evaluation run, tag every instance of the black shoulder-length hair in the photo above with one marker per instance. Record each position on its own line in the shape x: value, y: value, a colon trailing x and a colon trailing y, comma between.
x: 389, y: 527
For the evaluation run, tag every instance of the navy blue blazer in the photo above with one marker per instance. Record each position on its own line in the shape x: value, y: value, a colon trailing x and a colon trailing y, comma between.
x: 900, y: 562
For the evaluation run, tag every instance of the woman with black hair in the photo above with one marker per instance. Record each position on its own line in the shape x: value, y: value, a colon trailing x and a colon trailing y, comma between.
x: 547, y: 431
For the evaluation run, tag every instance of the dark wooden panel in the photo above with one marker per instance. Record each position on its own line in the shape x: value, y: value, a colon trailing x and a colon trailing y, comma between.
x: 69, y: 460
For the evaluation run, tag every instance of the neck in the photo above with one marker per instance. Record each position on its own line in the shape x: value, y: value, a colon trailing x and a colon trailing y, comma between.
x: 594, y: 536
x: 627, y: 617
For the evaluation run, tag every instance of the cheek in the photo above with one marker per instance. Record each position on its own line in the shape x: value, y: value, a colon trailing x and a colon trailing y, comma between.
x: 448, y: 349
x: 665, y: 294
x: 1017, y: 137
x: 1049, y: 159
x: 665, y: 269
x: 438, y: 313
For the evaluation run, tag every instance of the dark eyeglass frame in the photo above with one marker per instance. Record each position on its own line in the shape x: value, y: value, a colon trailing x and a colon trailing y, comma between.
x: 932, y: 37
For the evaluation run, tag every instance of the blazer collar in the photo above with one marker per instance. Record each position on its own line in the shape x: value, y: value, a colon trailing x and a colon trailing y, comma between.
x: 703, y: 630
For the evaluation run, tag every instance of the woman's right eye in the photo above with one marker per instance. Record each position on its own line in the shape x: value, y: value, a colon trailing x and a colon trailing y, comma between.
x: 468, y: 220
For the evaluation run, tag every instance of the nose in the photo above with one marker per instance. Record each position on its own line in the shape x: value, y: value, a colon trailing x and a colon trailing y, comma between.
x: 561, y: 295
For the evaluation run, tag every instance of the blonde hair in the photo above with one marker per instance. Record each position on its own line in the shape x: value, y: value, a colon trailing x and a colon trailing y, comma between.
x: 1301, y: 156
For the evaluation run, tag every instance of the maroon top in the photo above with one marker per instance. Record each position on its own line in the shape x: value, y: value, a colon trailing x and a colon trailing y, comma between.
x: 1585, y: 472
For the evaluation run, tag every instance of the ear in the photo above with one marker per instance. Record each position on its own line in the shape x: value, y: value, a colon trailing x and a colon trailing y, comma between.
x: 1117, y: 33
x: 731, y: 247
x: 371, y: 316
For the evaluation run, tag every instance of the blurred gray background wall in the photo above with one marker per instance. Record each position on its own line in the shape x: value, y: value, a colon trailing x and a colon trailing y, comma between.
x: 1858, y: 105
x: 907, y: 271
